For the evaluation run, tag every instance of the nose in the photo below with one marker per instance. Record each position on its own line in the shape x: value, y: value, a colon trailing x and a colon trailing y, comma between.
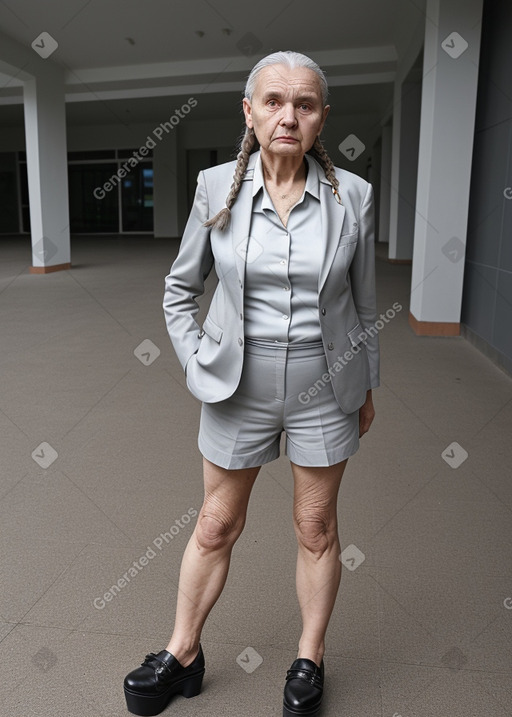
x: 288, y: 117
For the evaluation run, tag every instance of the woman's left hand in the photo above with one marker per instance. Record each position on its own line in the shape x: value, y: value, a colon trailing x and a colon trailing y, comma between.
x: 366, y: 414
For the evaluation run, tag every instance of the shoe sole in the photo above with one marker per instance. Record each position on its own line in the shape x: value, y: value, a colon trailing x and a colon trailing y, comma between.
x: 149, y: 705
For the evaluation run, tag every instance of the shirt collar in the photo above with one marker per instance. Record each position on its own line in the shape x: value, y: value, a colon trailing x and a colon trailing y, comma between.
x: 312, y: 179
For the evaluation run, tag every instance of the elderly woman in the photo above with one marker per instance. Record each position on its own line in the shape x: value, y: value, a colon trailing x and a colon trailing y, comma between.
x: 283, y: 348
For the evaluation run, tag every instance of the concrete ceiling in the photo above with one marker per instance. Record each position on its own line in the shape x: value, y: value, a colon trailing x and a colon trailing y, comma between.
x: 135, y: 60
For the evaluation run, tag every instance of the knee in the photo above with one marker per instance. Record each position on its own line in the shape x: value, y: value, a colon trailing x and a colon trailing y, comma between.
x: 216, y: 530
x: 315, y: 532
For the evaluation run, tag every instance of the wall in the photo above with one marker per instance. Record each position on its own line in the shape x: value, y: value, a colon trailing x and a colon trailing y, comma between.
x: 8, y: 187
x: 410, y: 115
x: 487, y: 298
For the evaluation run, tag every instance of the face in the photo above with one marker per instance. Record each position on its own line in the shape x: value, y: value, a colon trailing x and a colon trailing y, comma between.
x: 286, y: 110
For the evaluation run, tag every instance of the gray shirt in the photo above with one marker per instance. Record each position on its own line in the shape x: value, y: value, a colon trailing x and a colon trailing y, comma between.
x: 283, y: 265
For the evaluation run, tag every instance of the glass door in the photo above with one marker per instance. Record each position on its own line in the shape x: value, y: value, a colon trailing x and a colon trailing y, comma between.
x: 89, y: 214
x: 137, y: 200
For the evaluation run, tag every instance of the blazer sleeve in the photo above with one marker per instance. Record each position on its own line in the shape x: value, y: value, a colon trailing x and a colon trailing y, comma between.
x: 185, y: 281
x: 362, y: 279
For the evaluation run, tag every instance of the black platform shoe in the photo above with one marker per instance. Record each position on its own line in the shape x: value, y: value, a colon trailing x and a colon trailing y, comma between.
x: 304, y: 689
x: 149, y: 688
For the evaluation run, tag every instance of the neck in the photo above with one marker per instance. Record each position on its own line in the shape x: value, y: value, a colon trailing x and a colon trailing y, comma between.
x: 283, y: 170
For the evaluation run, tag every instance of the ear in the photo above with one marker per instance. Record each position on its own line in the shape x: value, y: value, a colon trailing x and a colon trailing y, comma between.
x: 246, y: 104
x: 325, y: 112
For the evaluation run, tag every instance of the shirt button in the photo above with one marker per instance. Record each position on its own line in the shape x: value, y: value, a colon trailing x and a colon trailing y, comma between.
x: 286, y: 288
x: 330, y: 346
x: 283, y: 261
x: 285, y: 317
x: 240, y: 342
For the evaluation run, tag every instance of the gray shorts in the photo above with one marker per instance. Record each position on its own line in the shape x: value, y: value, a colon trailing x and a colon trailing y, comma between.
x: 281, y: 389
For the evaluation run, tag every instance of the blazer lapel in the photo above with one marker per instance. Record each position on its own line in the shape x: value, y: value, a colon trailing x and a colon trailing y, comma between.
x: 332, y: 215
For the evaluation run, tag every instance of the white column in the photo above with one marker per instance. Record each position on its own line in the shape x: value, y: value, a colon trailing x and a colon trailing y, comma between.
x: 385, y: 184
x: 407, y: 61
x: 165, y: 189
x: 450, y: 76
x: 395, y: 170
x: 45, y: 131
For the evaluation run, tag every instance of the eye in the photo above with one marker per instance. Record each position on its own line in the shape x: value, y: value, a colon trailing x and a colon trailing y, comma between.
x: 272, y: 103
x: 304, y: 107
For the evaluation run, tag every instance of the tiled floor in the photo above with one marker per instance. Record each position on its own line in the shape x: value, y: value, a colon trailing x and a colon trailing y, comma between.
x: 422, y: 627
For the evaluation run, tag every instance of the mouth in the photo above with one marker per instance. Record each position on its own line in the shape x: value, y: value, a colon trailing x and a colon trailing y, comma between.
x: 286, y: 138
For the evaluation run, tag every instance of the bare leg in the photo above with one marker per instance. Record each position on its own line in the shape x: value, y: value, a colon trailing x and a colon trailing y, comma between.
x: 318, y: 563
x: 205, y: 563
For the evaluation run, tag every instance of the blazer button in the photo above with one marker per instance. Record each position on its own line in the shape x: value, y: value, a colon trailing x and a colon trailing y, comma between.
x: 240, y: 342
x: 330, y: 346
x: 324, y: 312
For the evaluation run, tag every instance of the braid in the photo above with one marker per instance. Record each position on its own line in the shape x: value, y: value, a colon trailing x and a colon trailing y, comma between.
x: 221, y: 219
x: 319, y: 153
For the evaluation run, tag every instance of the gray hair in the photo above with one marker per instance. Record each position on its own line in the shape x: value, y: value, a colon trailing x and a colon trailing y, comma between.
x: 288, y: 59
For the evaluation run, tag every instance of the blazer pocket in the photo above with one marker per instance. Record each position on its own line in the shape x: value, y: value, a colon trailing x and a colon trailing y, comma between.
x: 348, y: 239
x: 213, y: 331
x: 356, y: 335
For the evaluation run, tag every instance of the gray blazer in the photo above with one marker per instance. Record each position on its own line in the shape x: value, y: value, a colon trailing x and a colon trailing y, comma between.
x: 212, y: 355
